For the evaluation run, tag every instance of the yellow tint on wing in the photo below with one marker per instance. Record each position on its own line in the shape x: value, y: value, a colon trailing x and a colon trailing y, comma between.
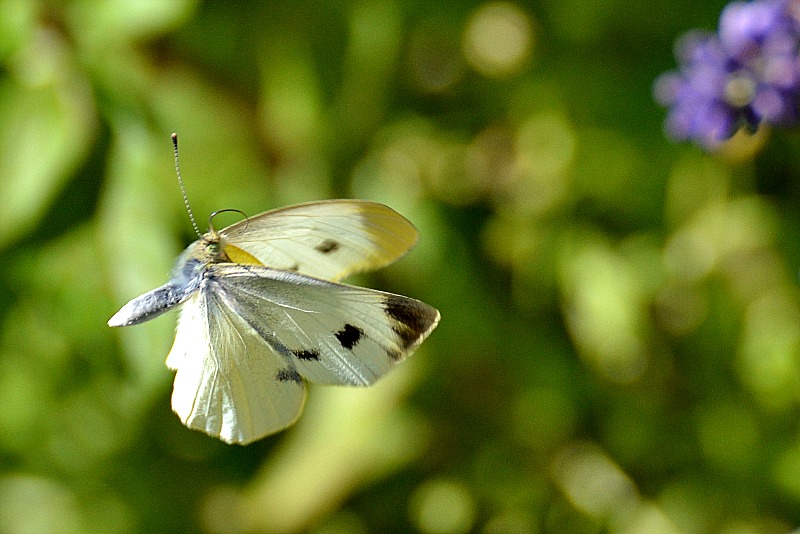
x: 237, y: 255
x: 392, y: 234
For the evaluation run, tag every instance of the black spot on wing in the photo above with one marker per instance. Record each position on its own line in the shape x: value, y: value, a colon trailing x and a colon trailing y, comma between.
x: 289, y: 375
x: 349, y: 336
x: 411, y: 318
x: 306, y: 355
x: 295, y: 267
x: 327, y: 246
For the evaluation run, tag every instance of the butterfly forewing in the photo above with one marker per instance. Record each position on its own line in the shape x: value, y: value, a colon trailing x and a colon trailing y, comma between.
x: 331, y: 333
x: 229, y: 382
x: 327, y: 239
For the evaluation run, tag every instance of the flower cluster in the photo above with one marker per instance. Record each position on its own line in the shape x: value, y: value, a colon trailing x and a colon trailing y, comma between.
x: 747, y: 74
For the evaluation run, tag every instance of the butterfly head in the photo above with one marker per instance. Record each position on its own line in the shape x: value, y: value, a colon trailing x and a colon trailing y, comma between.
x: 197, y: 256
x: 212, y: 247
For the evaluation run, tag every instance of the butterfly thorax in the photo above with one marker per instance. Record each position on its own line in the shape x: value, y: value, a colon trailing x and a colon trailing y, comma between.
x: 196, y: 257
x: 210, y: 248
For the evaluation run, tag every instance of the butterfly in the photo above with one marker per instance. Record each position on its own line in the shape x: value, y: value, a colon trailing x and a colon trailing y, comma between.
x: 262, y: 312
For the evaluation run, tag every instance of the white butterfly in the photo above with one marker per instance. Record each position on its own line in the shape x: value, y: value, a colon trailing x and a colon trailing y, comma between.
x: 260, y: 313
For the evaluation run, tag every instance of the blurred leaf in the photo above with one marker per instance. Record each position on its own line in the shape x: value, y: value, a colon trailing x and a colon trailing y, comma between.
x: 137, y: 243
x: 45, y: 132
x: 100, y: 23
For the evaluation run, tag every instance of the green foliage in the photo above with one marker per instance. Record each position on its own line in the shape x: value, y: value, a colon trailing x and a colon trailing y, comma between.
x: 619, y: 348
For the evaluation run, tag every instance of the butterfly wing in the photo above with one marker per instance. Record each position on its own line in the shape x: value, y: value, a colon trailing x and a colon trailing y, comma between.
x: 328, y: 239
x: 330, y: 333
x: 229, y: 383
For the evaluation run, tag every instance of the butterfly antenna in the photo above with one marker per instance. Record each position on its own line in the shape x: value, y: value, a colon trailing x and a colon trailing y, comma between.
x: 183, y: 189
x: 211, y: 218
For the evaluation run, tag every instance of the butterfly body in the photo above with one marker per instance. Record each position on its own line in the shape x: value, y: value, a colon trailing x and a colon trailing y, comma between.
x: 262, y: 311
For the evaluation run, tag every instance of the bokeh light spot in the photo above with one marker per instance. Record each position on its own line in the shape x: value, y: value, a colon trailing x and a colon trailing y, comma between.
x: 498, y: 39
x: 604, y: 310
x: 33, y: 504
x: 545, y: 149
x: 768, y: 350
x: 592, y: 481
x: 442, y: 507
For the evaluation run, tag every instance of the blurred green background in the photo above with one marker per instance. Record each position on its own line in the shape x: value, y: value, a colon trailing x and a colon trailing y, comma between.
x: 619, y: 348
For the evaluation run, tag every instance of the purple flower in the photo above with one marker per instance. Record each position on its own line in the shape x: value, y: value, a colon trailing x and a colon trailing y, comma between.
x: 744, y: 27
x: 746, y: 75
x: 708, y: 97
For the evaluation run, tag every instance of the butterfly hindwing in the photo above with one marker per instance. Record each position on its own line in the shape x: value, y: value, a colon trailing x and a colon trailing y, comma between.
x: 330, y: 333
x: 229, y: 383
x: 326, y: 239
